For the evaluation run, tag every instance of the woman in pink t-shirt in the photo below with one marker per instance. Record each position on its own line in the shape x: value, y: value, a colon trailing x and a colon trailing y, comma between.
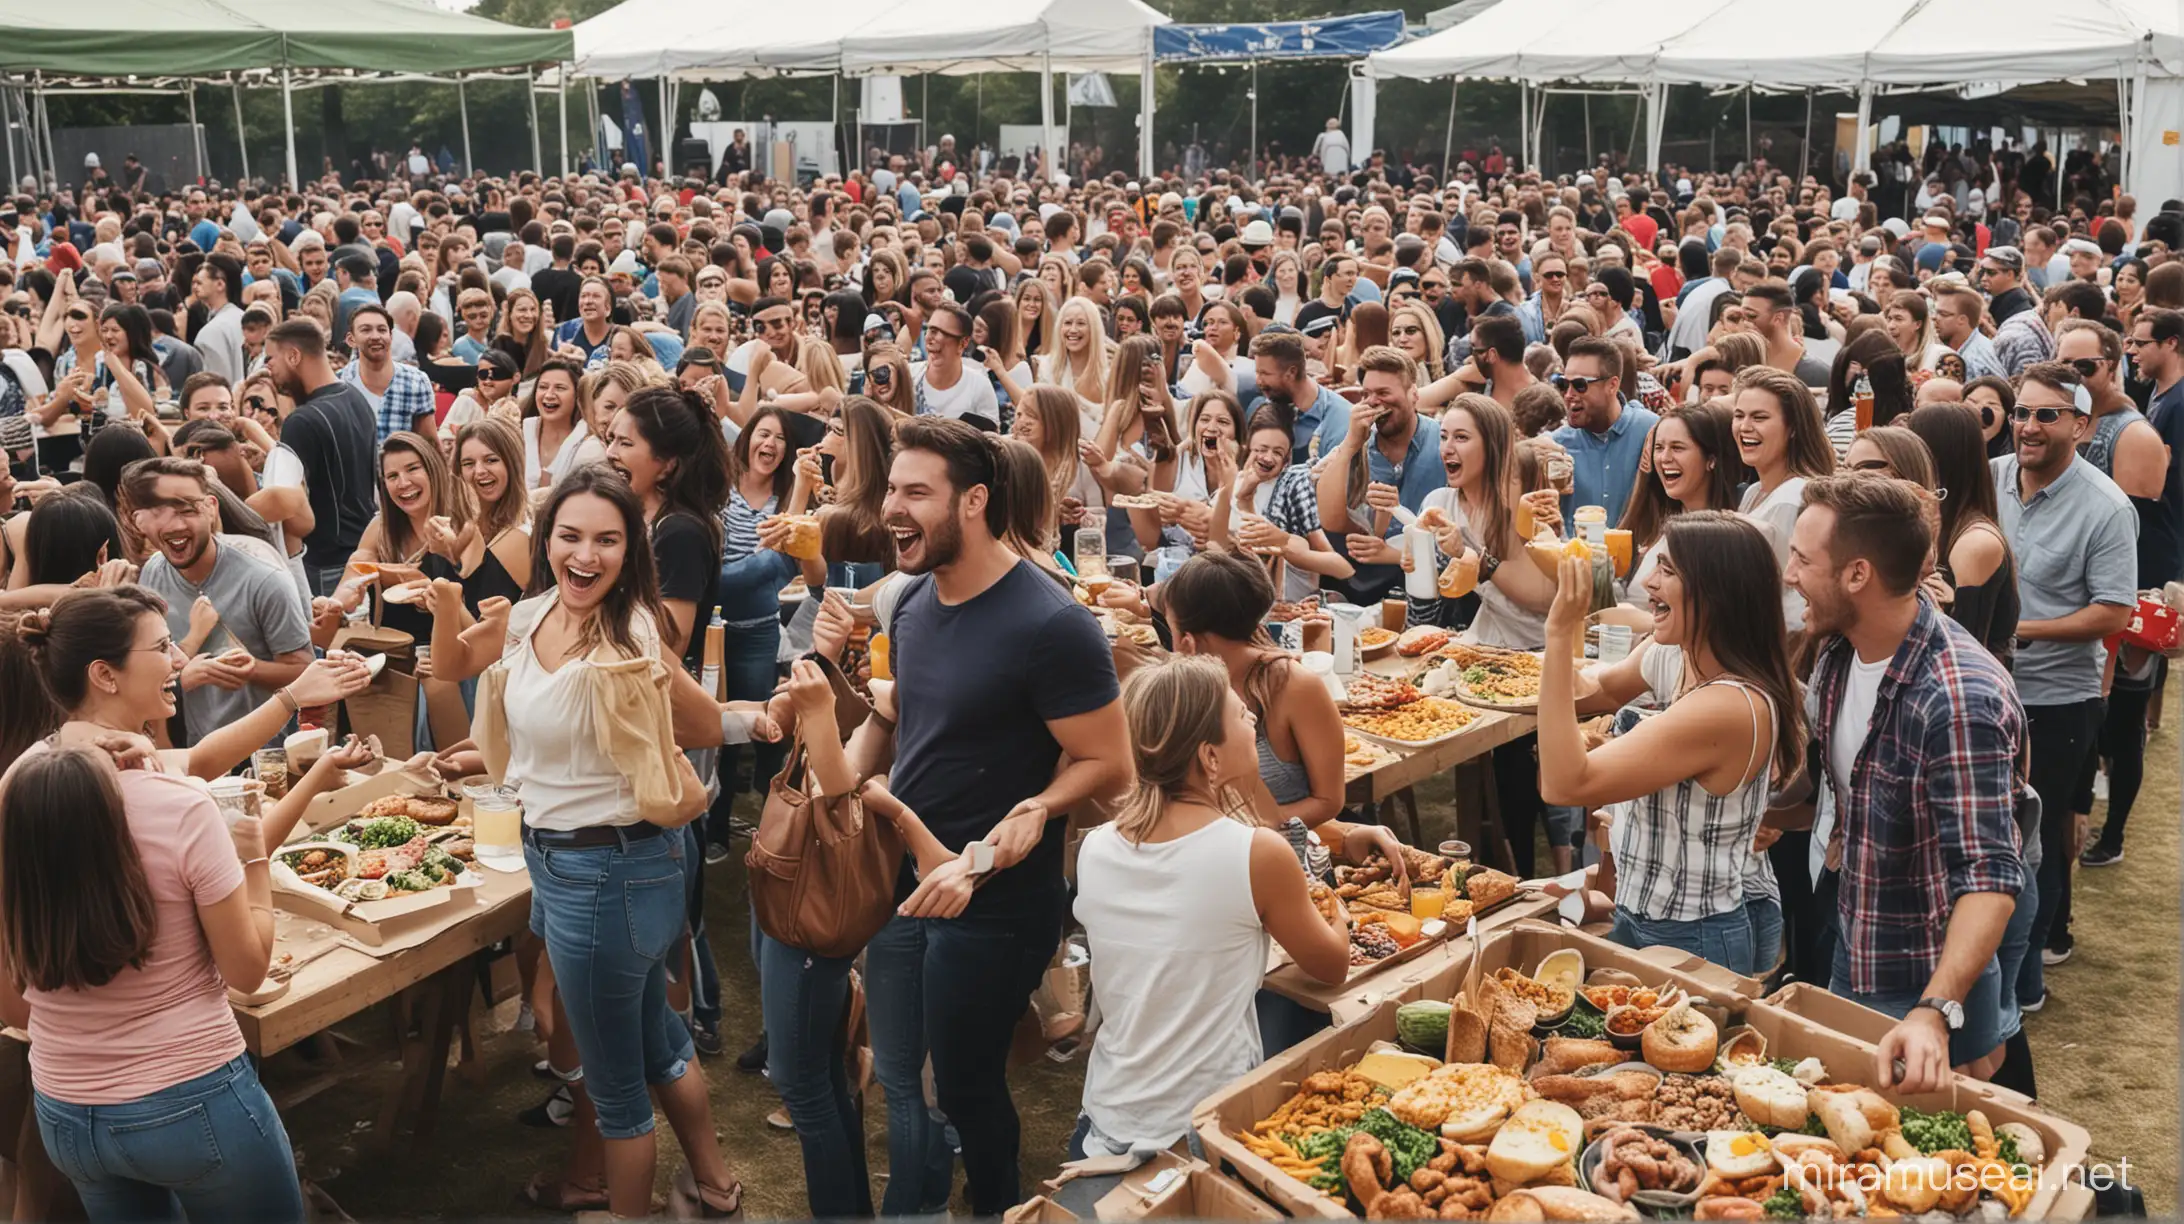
x: 127, y: 909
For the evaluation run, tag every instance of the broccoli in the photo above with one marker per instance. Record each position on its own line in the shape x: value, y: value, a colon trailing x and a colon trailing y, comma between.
x: 1408, y: 1146
x: 380, y: 832
x: 1936, y: 1132
x: 409, y: 881
x: 1785, y: 1204
x: 1583, y: 1022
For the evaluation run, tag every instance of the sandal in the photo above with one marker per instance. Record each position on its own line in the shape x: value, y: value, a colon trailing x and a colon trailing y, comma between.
x: 568, y: 1197
x: 696, y: 1202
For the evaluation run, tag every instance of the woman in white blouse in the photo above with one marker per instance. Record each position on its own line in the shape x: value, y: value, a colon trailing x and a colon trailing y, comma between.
x: 555, y: 438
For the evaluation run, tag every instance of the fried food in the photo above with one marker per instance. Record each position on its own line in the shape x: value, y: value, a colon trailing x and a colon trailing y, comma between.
x: 1486, y: 887
x: 1475, y: 1095
x: 1417, y: 722
x: 1326, y: 1100
x: 1369, y: 693
x: 424, y: 809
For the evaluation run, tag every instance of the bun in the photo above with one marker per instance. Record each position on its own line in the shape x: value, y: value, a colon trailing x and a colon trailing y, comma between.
x: 34, y: 628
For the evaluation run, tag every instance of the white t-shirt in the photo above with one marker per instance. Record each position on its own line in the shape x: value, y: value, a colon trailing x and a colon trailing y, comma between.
x: 1861, y: 689
x: 283, y: 470
x: 1333, y: 150
x: 972, y: 393
x: 1776, y: 515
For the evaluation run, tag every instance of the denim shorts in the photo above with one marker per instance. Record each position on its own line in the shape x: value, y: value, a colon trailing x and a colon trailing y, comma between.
x: 611, y: 917
x: 1724, y: 938
x: 209, y: 1148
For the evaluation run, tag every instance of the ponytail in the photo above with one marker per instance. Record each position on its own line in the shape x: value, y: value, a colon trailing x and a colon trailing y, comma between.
x: 680, y: 429
x: 1173, y: 709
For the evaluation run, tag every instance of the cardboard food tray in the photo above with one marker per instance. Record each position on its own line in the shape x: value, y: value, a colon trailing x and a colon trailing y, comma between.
x: 1169, y: 1186
x: 1251, y: 1098
x: 373, y: 922
x: 381, y: 778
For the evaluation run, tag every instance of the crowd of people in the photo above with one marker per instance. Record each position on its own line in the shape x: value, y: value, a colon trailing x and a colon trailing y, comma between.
x: 652, y: 471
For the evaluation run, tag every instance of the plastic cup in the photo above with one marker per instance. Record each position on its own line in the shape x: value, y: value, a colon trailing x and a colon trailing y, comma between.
x: 1427, y: 903
x: 1394, y: 614
x: 1619, y: 548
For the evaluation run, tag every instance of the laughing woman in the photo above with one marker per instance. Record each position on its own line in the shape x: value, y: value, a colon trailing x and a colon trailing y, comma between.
x: 1695, y: 466
x: 569, y: 714
x: 493, y: 522
x: 1690, y: 782
x: 1781, y: 438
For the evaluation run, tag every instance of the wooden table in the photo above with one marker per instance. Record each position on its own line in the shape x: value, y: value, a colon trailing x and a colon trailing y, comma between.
x: 1387, y: 788
x: 441, y: 972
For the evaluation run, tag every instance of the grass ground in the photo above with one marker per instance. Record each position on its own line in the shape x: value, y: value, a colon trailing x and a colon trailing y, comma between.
x: 2105, y: 1048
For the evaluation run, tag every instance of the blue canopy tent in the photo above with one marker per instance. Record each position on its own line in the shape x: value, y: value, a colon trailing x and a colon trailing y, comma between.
x: 1351, y: 37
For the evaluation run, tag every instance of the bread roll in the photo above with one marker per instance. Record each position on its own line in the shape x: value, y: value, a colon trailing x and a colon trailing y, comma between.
x: 1539, y: 1137
x: 1542, y: 1203
x: 1770, y: 1097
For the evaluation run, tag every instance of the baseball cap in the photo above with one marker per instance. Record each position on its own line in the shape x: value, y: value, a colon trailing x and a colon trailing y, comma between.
x: 1257, y: 233
x: 149, y: 269
x: 2007, y: 258
x: 2082, y: 246
x: 1896, y: 227
x: 1320, y: 325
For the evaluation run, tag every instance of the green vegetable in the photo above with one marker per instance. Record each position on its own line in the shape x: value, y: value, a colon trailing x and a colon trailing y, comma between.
x: 409, y: 881
x: 1811, y: 1127
x: 1785, y: 1204
x: 1583, y: 1022
x: 447, y: 865
x: 1936, y: 1132
x: 380, y: 832
x: 1787, y: 1066
x: 1409, y: 1148
x: 1423, y: 1025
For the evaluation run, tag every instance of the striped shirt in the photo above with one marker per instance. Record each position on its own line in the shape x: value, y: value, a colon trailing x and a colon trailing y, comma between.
x: 739, y: 519
x: 1683, y: 853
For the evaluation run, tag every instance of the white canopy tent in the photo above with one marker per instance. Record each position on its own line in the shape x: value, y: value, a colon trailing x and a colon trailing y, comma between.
x: 1865, y: 46
x: 726, y: 39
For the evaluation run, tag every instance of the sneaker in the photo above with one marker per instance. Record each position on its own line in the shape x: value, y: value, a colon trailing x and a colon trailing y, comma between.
x: 753, y: 1059
x: 526, y: 1019
x: 555, y: 1110
x: 544, y: 1069
x: 706, y: 1037
x: 717, y: 853
x: 2035, y: 1005
x: 779, y: 1119
x: 2101, y: 854
x: 2058, y: 952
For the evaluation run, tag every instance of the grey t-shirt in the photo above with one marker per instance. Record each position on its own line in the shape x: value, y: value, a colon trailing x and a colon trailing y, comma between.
x: 2076, y: 544
x: 259, y: 611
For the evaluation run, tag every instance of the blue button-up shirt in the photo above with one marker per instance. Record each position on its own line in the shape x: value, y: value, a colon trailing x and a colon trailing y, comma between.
x: 409, y: 396
x: 1606, y: 464
x: 1325, y: 420
x: 1418, y: 474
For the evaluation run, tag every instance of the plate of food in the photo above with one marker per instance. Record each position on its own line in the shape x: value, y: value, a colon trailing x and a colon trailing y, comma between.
x: 1375, y: 641
x: 1420, y: 640
x: 1500, y: 679
x: 1428, y: 720
x: 1370, y: 693
x: 1134, y: 501
x: 433, y: 810
x: 1362, y: 756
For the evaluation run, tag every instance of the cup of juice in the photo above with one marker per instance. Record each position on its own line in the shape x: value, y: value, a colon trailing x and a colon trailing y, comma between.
x: 1618, y: 541
x: 1427, y: 903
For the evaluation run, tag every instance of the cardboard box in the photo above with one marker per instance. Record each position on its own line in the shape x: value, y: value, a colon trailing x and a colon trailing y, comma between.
x: 379, y: 779
x: 1240, y: 1105
x: 1798, y: 1021
x: 370, y: 922
x: 1170, y: 1186
x: 1524, y: 944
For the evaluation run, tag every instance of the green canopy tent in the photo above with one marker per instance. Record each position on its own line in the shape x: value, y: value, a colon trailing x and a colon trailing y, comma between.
x: 117, y: 39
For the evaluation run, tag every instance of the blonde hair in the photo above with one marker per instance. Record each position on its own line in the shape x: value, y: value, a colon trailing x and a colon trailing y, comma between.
x: 820, y: 366
x: 1059, y: 368
x: 1174, y: 708
x: 1431, y: 329
x: 1059, y: 429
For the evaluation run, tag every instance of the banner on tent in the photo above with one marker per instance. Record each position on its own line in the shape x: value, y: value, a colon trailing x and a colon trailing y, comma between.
x: 1350, y: 37
x: 1091, y: 89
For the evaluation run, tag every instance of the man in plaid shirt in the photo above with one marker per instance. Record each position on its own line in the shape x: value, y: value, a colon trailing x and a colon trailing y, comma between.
x: 1916, y: 732
x: 400, y: 395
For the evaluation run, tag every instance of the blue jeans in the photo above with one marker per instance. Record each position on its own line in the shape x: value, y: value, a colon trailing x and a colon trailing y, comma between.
x: 1725, y: 938
x: 1982, y: 1030
x: 704, y: 974
x: 209, y: 1148
x: 748, y: 667
x: 611, y: 916
x: 1283, y: 1022
x: 920, y: 1163
x: 2015, y: 952
x: 1765, y: 917
x: 803, y: 998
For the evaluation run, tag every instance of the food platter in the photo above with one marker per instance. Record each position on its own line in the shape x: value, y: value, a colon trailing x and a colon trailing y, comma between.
x: 1420, y: 724
x: 1503, y: 680
x: 1459, y: 1110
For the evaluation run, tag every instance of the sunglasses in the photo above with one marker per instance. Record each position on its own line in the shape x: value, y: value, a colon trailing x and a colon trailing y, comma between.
x: 2046, y: 416
x: 2086, y: 367
x: 1575, y: 383
x: 775, y: 324
x: 79, y: 316
x: 491, y: 375
x: 1554, y: 276
x: 256, y: 403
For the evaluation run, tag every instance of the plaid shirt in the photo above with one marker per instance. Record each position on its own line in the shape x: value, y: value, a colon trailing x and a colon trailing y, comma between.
x: 1928, y: 814
x: 409, y: 396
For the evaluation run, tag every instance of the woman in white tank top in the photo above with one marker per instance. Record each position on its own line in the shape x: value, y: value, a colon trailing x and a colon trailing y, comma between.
x: 1693, y: 779
x: 1178, y: 897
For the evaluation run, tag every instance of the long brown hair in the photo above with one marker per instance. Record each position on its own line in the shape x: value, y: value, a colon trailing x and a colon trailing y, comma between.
x: 1497, y: 440
x: 529, y: 352
x: 636, y: 589
x: 1650, y: 505
x: 1174, y: 709
x: 1806, y: 450
x: 739, y: 457
x: 1055, y: 408
x: 82, y: 628
x: 75, y: 906
x: 394, y: 525
x: 1734, y: 591
x: 28, y: 715
x: 514, y: 506
x: 868, y: 436
x: 1959, y: 451
x: 1228, y: 595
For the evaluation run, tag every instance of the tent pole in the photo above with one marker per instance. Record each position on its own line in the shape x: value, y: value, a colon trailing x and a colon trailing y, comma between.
x: 1253, y: 164
x: 1861, y: 158
x: 1448, y: 140
x: 834, y: 116
x: 1524, y: 127
x: 242, y: 144
x: 1804, y: 154
x: 1749, y: 148
x: 197, y: 139
x: 462, y: 107
x: 561, y: 99
x: 591, y: 109
x: 530, y: 94
x: 978, y: 120
x: 45, y: 128
x: 288, y: 111
x: 1046, y: 116
x: 7, y: 122
x: 1588, y: 130
x: 665, y: 135
x: 1147, y: 83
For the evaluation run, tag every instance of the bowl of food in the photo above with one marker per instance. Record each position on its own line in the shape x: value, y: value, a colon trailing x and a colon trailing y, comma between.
x: 1376, y: 642
x: 1643, y: 1166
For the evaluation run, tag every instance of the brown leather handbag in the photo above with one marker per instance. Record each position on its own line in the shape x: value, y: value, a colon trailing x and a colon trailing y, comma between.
x: 822, y: 870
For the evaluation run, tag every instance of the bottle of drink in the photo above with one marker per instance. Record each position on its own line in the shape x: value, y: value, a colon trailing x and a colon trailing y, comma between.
x: 1861, y: 399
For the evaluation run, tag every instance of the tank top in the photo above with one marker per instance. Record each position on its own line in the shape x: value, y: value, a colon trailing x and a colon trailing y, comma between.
x: 1683, y: 853
x: 490, y: 579
x: 1177, y: 955
x: 2100, y: 449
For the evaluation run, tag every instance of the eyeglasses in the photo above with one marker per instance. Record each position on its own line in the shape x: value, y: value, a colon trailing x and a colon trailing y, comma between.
x: 1596, y: 292
x: 932, y: 332
x: 2046, y: 416
x: 1577, y: 383
x: 165, y: 647
x: 2086, y: 367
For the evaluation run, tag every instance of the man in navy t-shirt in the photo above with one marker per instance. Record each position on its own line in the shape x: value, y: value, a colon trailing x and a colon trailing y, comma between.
x: 998, y: 672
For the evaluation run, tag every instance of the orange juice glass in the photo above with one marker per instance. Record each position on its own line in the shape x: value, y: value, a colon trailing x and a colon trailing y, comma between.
x: 804, y: 537
x: 882, y: 664
x: 1427, y: 904
x: 1619, y: 550
x: 1526, y: 524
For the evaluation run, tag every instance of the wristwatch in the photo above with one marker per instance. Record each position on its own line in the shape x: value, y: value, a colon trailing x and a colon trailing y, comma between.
x: 1487, y: 565
x: 1952, y: 1012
